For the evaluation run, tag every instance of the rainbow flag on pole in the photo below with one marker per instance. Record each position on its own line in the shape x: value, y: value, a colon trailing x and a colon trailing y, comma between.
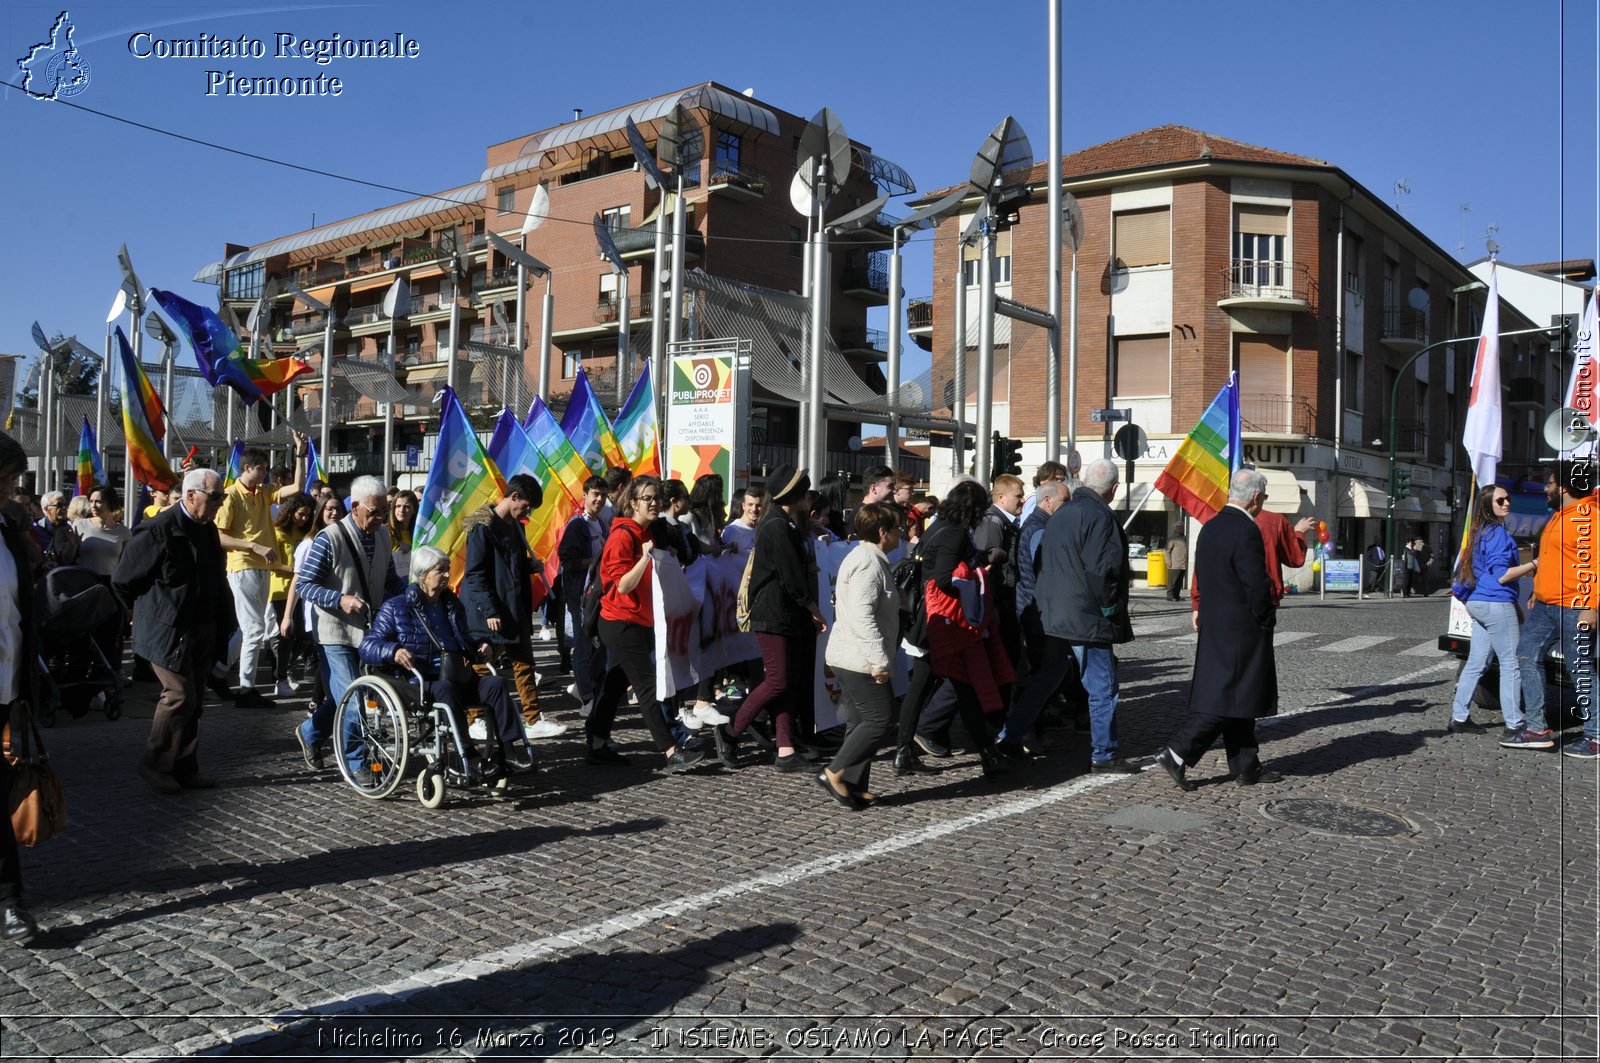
x: 313, y: 463
x: 586, y: 426
x: 90, y: 469
x: 637, y: 429
x: 461, y: 480
x: 142, y: 422
x: 1197, y: 476
x: 512, y: 450
x: 217, y: 350
x: 235, y: 463
x: 556, y: 449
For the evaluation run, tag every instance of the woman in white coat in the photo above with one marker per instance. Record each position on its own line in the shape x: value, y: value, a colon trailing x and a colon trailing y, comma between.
x: 861, y: 649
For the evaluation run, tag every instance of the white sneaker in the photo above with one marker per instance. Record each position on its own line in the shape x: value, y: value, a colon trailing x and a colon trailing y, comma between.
x: 687, y: 717
x: 287, y: 687
x: 538, y: 677
x: 633, y: 699
x: 586, y: 708
x: 706, y: 712
x: 478, y: 731
x: 572, y: 690
x: 544, y: 727
x: 547, y: 634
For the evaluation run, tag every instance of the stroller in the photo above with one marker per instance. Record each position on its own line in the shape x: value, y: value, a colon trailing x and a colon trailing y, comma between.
x: 80, y: 625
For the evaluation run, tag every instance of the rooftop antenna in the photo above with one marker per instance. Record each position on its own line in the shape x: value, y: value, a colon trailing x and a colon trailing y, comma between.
x: 824, y: 161
x: 1461, y: 246
x: 1489, y: 241
x: 1401, y: 188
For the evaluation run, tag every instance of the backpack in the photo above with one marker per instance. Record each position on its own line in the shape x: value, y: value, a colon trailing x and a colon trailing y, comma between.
x: 741, y: 608
x: 593, y: 591
x: 907, y: 577
x: 1005, y: 574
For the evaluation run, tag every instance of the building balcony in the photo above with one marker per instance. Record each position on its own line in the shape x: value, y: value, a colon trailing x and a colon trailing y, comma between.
x: 1404, y: 329
x: 504, y: 277
x: 745, y: 182
x: 1277, y: 415
x: 1526, y: 392
x: 1266, y: 284
x: 919, y: 321
x: 866, y: 277
x: 436, y: 308
x: 864, y: 342
x: 640, y: 241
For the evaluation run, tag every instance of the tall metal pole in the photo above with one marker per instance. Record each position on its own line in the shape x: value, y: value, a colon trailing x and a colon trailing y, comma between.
x: 452, y: 363
x: 679, y: 242
x: 809, y: 263
x: 623, y: 324
x: 892, y: 440
x: 327, y: 388
x: 1072, y: 361
x: 958, y: 371
x: 982, y: 455
x: 388, y: 408
x: 546, y: 325
x: 658, y: 335
x: 169, y: 357
x: 136, y: 330
x: 1052, y: 371
x: 100, y: 395
x: 816, y: 430
x: 47, y: 423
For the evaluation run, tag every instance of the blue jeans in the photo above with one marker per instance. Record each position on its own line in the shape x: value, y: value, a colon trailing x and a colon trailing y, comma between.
x: 1494, y: 631
x: 1544, y: 625
x: 585, y: 672
x: 340, y: 666
x: 1097, y: 663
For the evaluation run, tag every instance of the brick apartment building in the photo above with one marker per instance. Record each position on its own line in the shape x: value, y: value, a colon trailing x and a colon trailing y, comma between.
x: 742, y: 226
x: 1200, y: 255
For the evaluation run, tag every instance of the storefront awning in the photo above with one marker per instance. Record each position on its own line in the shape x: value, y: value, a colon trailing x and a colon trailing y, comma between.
x: 1362, y: 500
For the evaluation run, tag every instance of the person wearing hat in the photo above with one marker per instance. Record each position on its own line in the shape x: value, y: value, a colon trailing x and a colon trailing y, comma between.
x: 783, y: 615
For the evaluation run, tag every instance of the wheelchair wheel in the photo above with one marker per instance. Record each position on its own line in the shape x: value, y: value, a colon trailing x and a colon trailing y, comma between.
x: 371, y: 724
x: 430, y: 787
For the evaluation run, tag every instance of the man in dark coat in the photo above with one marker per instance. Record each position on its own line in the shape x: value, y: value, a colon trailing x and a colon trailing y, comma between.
x: 19, y: 683
x: 1082, y: 593
x: 1235, y: 676
x: 171, y: 574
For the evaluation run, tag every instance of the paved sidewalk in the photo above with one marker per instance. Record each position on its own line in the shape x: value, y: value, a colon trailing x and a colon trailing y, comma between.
x: 627, y: 913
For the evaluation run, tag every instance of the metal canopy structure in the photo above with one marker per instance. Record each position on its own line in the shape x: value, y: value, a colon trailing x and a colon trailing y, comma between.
x: 610, y: 127
x: 890, y: 177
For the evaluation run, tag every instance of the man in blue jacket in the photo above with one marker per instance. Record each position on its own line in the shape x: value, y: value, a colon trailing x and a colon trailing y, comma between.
x: 1082, y: 593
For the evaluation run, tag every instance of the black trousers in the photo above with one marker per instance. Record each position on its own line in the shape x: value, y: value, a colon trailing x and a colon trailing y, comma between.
x: 633, y: 663
x: 868, y: 711
x: 1238, y: 740
x: 10, y: 861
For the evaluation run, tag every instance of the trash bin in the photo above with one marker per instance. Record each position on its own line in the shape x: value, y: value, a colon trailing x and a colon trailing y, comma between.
x: 1156, y: 573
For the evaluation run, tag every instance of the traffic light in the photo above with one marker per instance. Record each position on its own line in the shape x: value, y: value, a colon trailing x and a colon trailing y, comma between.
x: 1564, y: 339
x: 1402, y: 483
x: 1005, y: 456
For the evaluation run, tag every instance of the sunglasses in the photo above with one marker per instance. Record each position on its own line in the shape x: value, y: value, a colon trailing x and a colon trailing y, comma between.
x: 1503, y: 500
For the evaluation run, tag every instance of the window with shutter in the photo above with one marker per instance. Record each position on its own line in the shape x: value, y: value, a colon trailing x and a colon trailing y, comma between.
x: 1142, y: 238
x: 1144, y: 366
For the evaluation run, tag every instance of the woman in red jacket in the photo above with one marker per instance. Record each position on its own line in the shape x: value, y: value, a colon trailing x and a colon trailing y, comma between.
x: 627, y: 629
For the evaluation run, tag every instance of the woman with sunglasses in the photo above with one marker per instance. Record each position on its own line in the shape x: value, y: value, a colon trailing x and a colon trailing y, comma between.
x: 627, y: 629
x: 1489, y: 573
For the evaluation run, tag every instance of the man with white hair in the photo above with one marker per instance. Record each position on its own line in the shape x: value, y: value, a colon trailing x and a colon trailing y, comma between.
x: 1235, y: 676
x: 347, y: 574
x: 172, y: 575
x: 56, y: 538
x: 1082, y: 592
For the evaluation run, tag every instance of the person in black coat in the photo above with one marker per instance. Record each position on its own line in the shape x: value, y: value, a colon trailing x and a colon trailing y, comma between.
x: 1235, y: 676
x: 171, y: 574
x: 22, y: 687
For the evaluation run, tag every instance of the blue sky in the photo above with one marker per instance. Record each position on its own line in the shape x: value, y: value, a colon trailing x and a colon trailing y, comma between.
x: 1468, y: 102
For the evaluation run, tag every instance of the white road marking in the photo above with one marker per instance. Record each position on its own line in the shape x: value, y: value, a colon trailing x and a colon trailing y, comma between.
x: 1423, y: 649
x: 1357, y: 642
x: 1284, y: 638
x: 594, y: 933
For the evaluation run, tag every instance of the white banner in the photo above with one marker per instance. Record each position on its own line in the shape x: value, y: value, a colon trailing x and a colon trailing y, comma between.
x: 675, y: 612
x: 719, y: 643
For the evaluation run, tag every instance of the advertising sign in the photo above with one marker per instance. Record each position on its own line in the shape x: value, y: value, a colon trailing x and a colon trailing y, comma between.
x: 1342, y: 574
x: 707, y: 417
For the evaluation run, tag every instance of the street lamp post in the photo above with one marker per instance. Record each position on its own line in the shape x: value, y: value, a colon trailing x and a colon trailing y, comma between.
x: 1394, y: 414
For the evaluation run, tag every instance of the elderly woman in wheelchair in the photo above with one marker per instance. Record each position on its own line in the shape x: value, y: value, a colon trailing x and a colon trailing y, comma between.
x: 423, y: 631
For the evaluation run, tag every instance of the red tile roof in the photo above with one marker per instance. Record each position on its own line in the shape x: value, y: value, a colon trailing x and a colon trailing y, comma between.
x: 1572, y: 269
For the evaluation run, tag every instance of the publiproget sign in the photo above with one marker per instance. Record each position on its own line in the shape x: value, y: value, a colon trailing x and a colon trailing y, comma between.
x: 704, y: 424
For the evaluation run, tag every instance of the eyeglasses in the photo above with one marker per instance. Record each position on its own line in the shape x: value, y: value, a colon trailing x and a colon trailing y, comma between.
x: 55, y: 505
x: 216, y: 496
x: 650, y: 500
x: 1503, y: 500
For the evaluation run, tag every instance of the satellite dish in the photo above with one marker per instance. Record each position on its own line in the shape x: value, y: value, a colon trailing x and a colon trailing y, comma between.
x: 644, y: 157
x: 517, y: 255
x: 1004, y: 159
x: 130, y: 281
x: 925, y: 217
x: 39, y: 338
x: 608, y: 246
x: 258, y: 315
x: 118, y: 305
x: 679, y: 142
x: 398, y: 296
x: 538, y: 210
x: 1418, y: 298
x: 307, y: 301
x: 800, y: 192
x: 824, y: 139
x: 1567, y: 429
x: 858, y: 217
x: 1071, y: 222
x: 157, y: 330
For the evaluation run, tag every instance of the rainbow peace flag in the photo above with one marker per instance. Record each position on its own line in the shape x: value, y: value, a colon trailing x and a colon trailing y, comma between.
x: 514, y: 453
x: 586, y: 426
x: 313, y: 464
x: 90, y: 469
x: 460, y: 481
x: 142, y: 422
x: 557, y: 450
x: 1197, y: 476
x: 638, y: 431
x: 217, y: 350
x: 235, y: 463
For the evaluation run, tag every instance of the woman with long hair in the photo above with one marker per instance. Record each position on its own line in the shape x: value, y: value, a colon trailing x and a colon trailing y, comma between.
x: 297, y: 612
x: 1491, y: 567
x: 290, y: 526
x: 402, y: 526
x: 708, y: 513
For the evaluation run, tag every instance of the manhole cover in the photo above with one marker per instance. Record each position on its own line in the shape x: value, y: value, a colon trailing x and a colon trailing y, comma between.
x: 1336, y: 817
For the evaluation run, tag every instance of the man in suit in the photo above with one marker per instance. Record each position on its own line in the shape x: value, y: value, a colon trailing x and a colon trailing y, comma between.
x: 1235, y: 676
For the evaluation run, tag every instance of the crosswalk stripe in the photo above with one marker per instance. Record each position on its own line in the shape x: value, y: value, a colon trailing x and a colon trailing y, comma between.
x: 1283, y: 638
x: 1357, y: 642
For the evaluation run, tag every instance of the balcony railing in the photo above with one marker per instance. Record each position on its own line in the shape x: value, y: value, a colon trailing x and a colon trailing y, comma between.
x: 363, y: 316
x: 504, y: 277
x: 1405, y: 324
x: 919, y: 312
x: 1277, y: 414
x: 864, y: 339
x: 868, y: 272
x: 1266, y: 278
x: 727, y: 172
x: 631, y: 241
x: 605, y: 311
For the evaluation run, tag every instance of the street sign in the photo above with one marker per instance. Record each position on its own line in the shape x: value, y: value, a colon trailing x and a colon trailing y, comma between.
x: 413, y: 456
x: 1074, y: 462
x: 1112, y: 414
x: 1130, y: 442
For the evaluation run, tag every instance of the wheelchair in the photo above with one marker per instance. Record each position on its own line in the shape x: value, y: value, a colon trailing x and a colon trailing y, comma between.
x: 388, y: 724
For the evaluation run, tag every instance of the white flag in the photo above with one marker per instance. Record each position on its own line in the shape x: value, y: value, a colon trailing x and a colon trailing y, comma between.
x: 1582, y: 394
x: 1482, y: 435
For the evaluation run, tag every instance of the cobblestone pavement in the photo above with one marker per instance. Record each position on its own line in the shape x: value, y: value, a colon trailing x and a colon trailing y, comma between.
x: 627, y: 913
